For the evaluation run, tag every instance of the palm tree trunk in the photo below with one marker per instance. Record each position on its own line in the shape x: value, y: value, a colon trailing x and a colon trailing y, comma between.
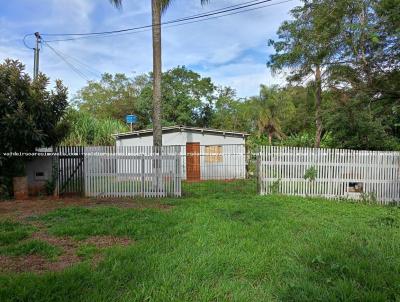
x: 318, y: 97
x: 156, y: 21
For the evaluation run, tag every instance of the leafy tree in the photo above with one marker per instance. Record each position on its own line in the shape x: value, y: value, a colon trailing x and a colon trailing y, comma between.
x: 369, y: 58
x: 352, y: 50
x: 187, y: 97
x: 29, y: 113
x: 113, y: 97
x: 158, y: 6
x: 302, y: 118
x: 229, y: 112
x: 306, y: 44
x: 29, y: 117
x: 352, y: 125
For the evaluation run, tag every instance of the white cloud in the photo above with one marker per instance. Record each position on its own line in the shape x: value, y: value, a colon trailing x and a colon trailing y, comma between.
x: 232, y: 50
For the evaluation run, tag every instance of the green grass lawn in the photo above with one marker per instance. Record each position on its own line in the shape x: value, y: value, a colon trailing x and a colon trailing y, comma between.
x: 223, y: 246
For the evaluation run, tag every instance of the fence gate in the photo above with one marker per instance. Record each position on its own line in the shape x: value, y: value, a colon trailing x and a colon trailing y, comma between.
x: 130, y: 172
x: 70, y: 170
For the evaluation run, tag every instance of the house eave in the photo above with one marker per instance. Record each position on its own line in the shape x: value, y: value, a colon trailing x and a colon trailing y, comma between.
x: 149, y: 132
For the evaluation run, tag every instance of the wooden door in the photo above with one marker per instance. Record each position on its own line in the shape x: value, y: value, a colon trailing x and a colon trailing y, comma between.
x: 193, y: 161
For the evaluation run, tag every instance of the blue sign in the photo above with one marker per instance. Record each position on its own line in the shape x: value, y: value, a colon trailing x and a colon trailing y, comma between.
x: 131, y: 119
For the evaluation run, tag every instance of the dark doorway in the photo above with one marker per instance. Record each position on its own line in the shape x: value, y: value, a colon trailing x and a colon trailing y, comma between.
x: 193, y: 161
x: 70, y: 170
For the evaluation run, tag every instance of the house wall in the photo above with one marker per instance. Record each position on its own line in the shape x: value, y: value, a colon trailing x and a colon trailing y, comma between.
x: 233, y: 165
x: 169, y: 139
x: 181, y: 138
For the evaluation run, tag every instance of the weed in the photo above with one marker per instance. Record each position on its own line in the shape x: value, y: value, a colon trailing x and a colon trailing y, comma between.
x: 311, y: 173
x: 368, y: 198
x: 275, y: 186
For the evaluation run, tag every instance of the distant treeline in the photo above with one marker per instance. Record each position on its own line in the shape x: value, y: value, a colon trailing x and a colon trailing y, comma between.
x: 343, y: 86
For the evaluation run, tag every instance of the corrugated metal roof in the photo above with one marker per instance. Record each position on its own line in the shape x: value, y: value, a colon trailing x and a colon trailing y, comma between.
x: 147, y: 132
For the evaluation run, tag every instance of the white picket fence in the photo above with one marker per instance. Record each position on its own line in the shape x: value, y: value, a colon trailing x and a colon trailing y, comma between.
x: 125, y: 172
x: 332, y: 173
x: 230, y: 163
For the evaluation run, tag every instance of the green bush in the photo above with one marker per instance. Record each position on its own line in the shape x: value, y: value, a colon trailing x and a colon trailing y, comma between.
x: 86, y: 130
x: 306, y: 139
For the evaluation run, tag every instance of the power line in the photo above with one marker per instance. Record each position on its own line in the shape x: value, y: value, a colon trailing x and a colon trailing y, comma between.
x: 232, y: 10
x: 228, y: 11
x: 211, y: 13
x: 89, y: 68
x: 72, y: 66
x: 172, y: 25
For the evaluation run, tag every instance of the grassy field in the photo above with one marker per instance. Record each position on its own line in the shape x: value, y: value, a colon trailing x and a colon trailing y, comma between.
x: 230, y: 245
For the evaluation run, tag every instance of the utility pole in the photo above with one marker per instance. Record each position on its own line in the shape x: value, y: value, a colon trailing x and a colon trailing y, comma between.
x: 36, y: 55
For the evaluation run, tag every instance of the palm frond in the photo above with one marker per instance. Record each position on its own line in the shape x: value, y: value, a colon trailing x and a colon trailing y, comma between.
x: 116, y: 3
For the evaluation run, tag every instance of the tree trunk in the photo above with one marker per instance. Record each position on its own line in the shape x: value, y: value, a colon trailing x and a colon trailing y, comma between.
x: 318, y: 97
x: 270, y: 138
x: 156, y: 21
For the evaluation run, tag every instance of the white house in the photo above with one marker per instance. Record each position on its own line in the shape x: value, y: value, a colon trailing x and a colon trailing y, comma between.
x: 206, y: 153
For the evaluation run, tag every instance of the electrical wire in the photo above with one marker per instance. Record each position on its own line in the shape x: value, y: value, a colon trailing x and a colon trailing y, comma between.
x: 221, y: 10
x: 227, y: 11
x: 169, y: 26
x: 72, y: 66
x: 24, y: 41
x: 211, y: 13
x: 87, y: 67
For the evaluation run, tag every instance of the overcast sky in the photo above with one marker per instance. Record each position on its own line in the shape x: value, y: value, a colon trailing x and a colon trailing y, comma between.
x: 232, y: 50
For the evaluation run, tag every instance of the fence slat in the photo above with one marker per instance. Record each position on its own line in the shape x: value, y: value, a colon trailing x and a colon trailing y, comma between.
x: 339, y: 173
x: 129, y: 172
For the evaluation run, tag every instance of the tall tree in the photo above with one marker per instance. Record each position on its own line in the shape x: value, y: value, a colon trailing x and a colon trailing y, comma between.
x: 112, y: 97
x: 157, y: 8
x: 231, y: 113
x: 187, y: 97
x: 305, y: 46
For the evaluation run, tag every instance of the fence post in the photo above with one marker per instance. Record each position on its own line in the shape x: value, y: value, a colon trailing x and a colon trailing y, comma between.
x: 143, y: 170
x: 258, y: 174
x: 178, y: 176
x: 55, y: 163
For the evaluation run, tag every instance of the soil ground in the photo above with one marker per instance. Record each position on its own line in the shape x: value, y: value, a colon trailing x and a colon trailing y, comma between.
x: 23, y: 210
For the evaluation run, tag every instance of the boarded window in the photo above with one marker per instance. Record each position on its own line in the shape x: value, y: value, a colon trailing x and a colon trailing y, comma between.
x: 213, y: 154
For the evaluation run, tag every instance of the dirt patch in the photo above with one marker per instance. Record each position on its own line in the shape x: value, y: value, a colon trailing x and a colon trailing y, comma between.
x: 37, y: 263
x: 108, y: 241
x: 69, y: 257
x: 20, y: 209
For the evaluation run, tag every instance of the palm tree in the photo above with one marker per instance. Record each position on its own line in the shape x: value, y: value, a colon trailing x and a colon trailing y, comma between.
x: 272, y: 108
x: 157, y: 8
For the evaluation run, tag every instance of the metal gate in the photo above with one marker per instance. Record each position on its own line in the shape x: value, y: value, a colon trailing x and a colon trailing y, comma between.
x: 71, y: 162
